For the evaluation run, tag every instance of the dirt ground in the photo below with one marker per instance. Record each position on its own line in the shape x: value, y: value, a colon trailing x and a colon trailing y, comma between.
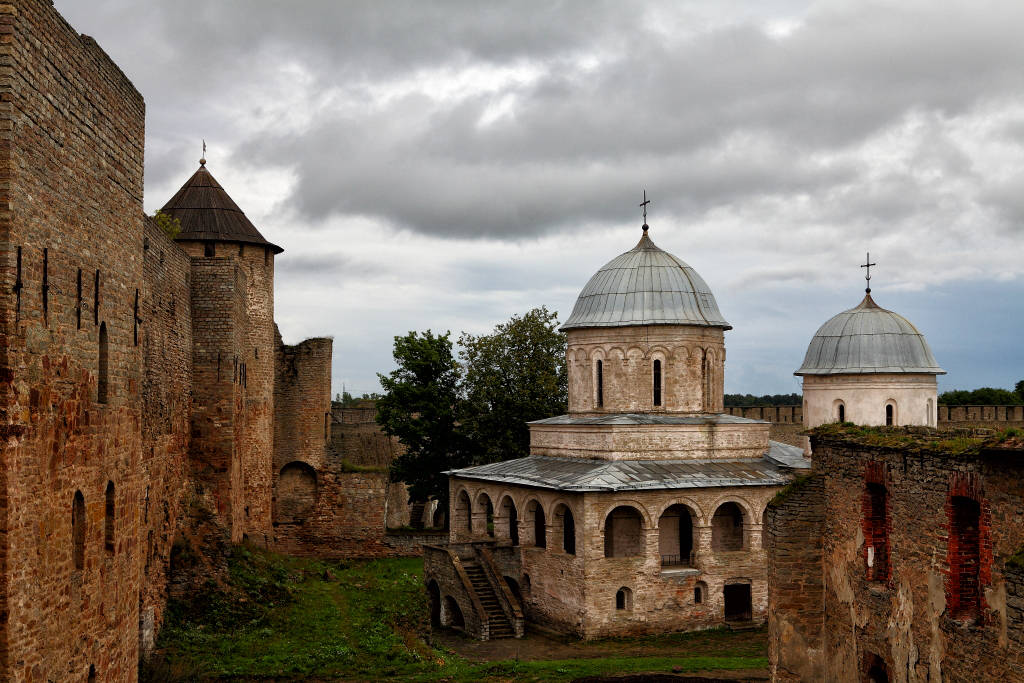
x: 540, y: 646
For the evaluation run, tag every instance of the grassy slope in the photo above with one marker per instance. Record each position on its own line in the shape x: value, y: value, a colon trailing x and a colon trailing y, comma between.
x: 298, y: 618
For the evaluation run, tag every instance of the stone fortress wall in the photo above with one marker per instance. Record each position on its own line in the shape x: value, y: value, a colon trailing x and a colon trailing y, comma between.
x: 71, y: 238
x: 144, y: 386
x: 787, y: 421
x: 899, y: 561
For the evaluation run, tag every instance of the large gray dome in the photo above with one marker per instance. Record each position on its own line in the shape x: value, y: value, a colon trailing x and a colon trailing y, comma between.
x: 868, y: 339
x: 645, y: 286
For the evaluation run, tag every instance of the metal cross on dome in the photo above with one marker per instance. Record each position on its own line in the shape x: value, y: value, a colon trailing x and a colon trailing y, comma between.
x: 643, y: 205
x: 867, y: 275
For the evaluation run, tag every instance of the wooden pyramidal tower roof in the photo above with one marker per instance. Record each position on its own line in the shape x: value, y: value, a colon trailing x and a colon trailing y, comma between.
x: 208, y: 214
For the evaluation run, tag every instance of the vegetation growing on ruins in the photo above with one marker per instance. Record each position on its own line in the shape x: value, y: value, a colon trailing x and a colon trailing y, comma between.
x: 170, y: 225
x: 791, y: 488
x: 290, y: 618
x: 920, y: 439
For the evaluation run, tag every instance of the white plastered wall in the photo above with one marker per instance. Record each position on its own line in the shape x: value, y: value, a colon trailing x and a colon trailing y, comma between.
x: 864, y: 397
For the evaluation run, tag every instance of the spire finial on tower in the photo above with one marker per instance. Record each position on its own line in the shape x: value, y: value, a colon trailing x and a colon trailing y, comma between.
x: 867, y: 275
x: 644, y: 204
x: 202, y: 160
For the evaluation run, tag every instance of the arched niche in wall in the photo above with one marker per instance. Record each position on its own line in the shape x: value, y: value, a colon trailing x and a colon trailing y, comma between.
x: 296, y: 492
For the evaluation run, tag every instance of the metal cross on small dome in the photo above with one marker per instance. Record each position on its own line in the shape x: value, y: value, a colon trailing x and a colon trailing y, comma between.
x: 867, y: 275
x: 202, y: 160
x: 643, y: 205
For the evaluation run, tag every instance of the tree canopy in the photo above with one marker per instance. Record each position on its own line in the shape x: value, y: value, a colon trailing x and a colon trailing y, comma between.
x: 512, y: 376
x: 766, y: 400
x: 985, y: 396
x: 420, y: 406
x: 450, y: 415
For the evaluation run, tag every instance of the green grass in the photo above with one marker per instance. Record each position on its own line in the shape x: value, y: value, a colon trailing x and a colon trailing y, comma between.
x: 292, y: 618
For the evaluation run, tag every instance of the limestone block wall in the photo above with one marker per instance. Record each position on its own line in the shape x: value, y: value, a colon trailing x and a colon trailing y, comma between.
x: 650, y: 442
x: 576, y: 592
x: 692, y: 362
x: 71, y: 153
x: 914, y: 399
x: 908, y: 621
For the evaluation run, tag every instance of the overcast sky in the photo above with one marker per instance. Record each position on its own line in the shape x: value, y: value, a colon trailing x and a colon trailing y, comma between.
x: 445, y: 165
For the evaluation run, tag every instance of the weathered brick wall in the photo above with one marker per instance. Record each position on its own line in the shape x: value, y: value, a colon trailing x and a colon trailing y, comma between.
x: 793, y: 534
x: 907, y: 620
x: 166, y: 340
x: 302, y: 402
x: 71, y: 159
x: 347, y: 518
x: 219, y: 333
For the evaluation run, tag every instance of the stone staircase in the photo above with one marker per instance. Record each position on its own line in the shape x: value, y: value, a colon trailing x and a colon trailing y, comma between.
x: 500, y: 626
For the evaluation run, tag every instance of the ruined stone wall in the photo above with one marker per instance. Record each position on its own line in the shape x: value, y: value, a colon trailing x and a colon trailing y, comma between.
x: 302, y: 403
x: 908, y: 620
x: 358, y: 439
x: 166, y: 339
x: 576, y: 593
x: 793, y: 535
x: 71, y: 175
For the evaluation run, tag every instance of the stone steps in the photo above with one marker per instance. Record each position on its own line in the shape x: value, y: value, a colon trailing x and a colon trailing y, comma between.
x: 500, y: 626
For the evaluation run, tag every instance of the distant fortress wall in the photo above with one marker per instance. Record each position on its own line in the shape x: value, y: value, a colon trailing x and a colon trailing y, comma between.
x: 949, y: 415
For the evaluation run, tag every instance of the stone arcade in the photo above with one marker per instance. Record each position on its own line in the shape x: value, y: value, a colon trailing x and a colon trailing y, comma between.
x: 640, y: 510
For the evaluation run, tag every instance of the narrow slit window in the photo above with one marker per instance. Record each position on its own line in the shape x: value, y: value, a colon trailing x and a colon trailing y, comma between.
x: 46, y: 286
x: 657, y: 382
x: 209, y: 249
x: 96, y: 299
x: 104, y: 366
x: 17, y: 289
x: 78, y: 301
x: 78, y: 530
x: 842, y: 413
x: 108, y: 519
x: 889, y: 415
x: 600, y: 384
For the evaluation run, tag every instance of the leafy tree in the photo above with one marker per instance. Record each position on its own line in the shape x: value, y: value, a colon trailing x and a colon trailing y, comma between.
x: 419, y: 406
x: 766, y: 400
x: 985, y: 396
x: 171, y: 226
x: 1019, y: 388
x: 512, y: 376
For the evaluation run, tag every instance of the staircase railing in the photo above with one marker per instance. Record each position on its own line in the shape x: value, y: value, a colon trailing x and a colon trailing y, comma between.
x: 509, y: 604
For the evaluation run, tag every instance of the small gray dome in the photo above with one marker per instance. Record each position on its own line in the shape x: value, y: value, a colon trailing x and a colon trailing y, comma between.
x: 868, y: 339
x: 645, y: 286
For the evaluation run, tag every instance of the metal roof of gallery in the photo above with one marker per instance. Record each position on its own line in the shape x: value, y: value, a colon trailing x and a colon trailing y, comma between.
x: 587, y: 475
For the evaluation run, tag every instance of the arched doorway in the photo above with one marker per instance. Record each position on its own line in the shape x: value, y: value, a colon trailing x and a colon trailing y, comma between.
x: 434, y: 595
x: 675, y: 536
x: 296, y: 492
x: 738, y: 605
